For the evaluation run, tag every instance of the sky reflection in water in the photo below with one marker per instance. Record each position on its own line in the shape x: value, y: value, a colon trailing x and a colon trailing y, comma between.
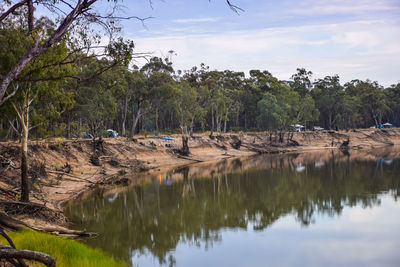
x: 337, y: 210
x: 359, y: 237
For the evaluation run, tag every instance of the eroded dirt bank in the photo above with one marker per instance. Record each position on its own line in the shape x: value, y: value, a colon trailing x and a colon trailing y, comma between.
x: 61, y: 169
x: 298, y: 161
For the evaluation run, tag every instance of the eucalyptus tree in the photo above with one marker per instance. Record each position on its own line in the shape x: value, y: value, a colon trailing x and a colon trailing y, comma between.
x: 302, y: 81
x: 279, y: 107
x: 78, y: 18
x: 118, y: 82
x: 35, y: 84
x: 307, y: 111
x: 250, y: 97
x: 160, y: 83
x: 139, y: 96
x: 270, y: 111
x: 393, y: 100
x: 96, y: 102
x: 232, y: 84
x: 214, y: 103
x: 374, y: 103
x: 328, y: 94
x: 186, y: 107
x: 196, y: 78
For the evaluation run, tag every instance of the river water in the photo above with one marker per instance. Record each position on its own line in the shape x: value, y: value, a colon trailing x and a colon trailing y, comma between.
x: 313, y: 209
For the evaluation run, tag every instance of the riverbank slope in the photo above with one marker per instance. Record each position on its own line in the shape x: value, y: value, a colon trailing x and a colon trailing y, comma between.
x: 61, y: 169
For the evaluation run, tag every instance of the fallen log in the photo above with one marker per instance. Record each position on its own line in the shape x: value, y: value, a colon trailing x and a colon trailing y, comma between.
x: 14, y: 208
x: 13, y: 224
x: 10, y: 222
x: 188, y: 158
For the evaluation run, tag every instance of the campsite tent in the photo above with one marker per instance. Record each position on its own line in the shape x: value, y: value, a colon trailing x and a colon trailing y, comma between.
x: 167, y: 138
x: 387, y: 125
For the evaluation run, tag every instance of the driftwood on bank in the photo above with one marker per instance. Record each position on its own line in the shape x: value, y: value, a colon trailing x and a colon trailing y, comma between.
x: 10, y: 223
x: 13, y: 208
x: 77, y: 178
x: 189, y: 158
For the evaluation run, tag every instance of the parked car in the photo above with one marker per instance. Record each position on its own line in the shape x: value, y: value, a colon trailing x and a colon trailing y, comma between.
x: 298, y: 128
x: 88, y: 136
x: 317, y: 128
x: 112, y: 133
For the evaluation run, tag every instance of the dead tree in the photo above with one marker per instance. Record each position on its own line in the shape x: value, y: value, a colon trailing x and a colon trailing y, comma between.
x: 185, y: 141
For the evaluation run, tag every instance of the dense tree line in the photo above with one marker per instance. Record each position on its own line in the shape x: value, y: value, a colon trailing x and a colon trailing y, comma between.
x: 158, y: 99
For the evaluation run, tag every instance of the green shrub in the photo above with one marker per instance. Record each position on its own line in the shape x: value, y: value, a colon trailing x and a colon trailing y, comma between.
x: 169, y: 131
x: 236, y: 129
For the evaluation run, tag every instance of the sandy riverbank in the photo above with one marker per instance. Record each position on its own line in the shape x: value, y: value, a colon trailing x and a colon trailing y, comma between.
x: 51, y: 185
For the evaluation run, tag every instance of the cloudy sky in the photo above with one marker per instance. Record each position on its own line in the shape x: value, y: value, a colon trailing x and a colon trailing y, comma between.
x: 357, y: 39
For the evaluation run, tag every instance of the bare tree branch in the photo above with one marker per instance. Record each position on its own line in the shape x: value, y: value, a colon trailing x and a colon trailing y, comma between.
x: 44, y: 79
x: 13, y: 127
x: 123, y: 18
x: 236, y: 9
x: 12, y: 9
x: 68, y: 4
x: 16, y: 87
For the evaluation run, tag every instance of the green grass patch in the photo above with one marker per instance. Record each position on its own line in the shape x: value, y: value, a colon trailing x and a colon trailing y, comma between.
x: 67, y: 252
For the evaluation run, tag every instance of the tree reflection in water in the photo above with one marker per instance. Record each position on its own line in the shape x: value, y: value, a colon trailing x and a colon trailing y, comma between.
x: 191, y: 208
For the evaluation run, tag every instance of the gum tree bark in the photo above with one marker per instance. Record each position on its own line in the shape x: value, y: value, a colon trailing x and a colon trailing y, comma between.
x: 23, y: 117
x: 36, y: 50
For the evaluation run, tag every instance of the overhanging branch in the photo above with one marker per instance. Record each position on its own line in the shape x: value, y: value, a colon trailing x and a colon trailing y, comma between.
x: 12, y: 9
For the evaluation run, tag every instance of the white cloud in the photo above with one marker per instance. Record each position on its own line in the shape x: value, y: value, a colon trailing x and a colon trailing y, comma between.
x: 335, y: 7
x: 196, y: 20
x: 355, y: 49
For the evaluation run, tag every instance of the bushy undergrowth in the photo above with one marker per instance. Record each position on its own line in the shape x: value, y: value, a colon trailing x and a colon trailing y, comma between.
x: 66, y: 252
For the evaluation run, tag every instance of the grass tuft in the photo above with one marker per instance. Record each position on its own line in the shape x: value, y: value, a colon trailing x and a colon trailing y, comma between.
x: 67, y: 252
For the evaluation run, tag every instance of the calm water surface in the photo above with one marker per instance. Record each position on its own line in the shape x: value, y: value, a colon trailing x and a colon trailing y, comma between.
x: 312, y: 209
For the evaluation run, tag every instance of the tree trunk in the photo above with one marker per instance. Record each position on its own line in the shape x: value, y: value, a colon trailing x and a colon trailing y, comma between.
x: 245, y: 121
x: 68, y: 126
x: 23, y: 117
x: 157, y: 120
x: 212, y: 122
x: 191, y: 127
x: 185, y: 140
x: 226, y: 118
x: 80, y: 127
x: 218, y: 120
x: 135, y: 120
x: 24, y: 166
x: 124, y: 114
